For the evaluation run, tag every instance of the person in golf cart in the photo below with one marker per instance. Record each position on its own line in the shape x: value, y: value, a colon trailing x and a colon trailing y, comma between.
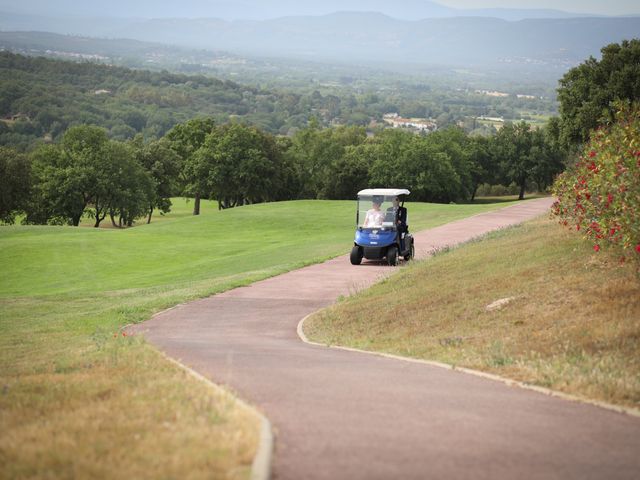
x: 375, y: 217
x: 398, y: 214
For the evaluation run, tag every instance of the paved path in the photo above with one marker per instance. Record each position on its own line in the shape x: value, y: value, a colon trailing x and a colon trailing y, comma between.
x: 347, y: 415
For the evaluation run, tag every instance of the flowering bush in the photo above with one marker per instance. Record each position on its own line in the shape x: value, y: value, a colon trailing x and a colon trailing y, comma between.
x: 600, y: 195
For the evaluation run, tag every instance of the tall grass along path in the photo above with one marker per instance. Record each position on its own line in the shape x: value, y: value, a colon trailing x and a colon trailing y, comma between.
x: 347, y: 415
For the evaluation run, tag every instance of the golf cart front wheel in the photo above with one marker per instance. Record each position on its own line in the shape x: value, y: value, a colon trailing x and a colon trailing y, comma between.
x: 356, y: 255
x: 392, y: 256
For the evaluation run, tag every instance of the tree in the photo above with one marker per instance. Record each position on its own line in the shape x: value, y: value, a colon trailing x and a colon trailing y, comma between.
x: 524, y: 155
x: 483, y: 168
x: 128, y: 189
x: 15, y: 183
x: 587, y: 92
x: 162, y: 164
x: 186, y: 139
x: 240, y: 164
x: 403, y: 159
x: 68, y: 177
x: 316, y: 150
x: 349, y: 173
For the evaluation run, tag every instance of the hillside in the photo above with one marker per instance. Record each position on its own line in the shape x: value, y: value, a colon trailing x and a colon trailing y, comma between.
x: 368, y: 37
x: 570, y: 318
x: 40, y: 97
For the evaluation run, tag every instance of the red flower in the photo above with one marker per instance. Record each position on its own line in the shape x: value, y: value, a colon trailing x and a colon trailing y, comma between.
x: 592, y: 153
x: 609, y: 198
x: 124, y: 334
x: 638, y: 248
x: 596, y: 248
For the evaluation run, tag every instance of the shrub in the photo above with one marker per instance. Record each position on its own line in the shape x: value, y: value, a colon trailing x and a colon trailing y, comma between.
x: 600, y: 195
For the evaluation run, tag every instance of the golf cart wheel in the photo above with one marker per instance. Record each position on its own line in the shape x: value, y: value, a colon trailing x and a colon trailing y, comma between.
x: 411, y: 254
x: 356, y: 255
x: 392, y: 256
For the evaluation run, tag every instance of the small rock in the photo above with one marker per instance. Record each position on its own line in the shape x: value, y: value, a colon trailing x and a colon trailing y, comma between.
x: 498, y: 304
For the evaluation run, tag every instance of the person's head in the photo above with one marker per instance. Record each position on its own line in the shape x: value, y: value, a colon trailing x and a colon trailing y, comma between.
x: 396, y: 202
x: 376, y: 202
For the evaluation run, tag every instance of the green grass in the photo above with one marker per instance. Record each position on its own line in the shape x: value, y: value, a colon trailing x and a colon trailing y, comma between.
x: 573, y: 323
x: 66, y: 292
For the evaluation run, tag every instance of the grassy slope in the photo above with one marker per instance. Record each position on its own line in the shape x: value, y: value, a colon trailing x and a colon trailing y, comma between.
x: 77, y: 398
x: 574, y: 324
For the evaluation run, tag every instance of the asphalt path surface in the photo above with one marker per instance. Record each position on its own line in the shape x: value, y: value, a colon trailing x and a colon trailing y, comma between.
x: 348, y: 415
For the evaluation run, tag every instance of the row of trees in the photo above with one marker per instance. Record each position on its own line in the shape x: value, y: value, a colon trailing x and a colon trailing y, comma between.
x: 88, y: 174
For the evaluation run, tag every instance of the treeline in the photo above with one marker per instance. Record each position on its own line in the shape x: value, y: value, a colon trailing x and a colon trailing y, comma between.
x: 88, y: 174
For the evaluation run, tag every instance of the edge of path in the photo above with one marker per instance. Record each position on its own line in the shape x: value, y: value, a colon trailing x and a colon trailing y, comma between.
x: 490, y: 376
x: 263, y: 458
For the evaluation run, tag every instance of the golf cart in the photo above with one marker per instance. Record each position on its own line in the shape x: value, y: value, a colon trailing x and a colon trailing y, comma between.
x: 381, y: 226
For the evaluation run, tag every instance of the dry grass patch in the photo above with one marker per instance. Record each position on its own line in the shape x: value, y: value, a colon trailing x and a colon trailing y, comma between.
x: 572, y: 322
x: 124, y: 414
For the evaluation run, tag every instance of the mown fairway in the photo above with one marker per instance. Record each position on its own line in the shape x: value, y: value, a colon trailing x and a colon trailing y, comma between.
x: 572, y: 324
x: 77, y: 398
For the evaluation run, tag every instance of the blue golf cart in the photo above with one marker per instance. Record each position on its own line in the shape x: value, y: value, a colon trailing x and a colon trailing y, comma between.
x: 382, y: 231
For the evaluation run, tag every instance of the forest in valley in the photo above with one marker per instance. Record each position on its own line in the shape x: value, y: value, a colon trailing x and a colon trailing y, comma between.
x: 85, y: 143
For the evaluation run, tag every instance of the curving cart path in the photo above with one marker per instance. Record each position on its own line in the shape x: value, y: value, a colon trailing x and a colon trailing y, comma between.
x: 347, y: 415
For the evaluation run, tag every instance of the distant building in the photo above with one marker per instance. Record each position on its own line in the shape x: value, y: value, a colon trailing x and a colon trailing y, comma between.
x: 417, y: 124
x: 491, y: 119
x: 492, y: 93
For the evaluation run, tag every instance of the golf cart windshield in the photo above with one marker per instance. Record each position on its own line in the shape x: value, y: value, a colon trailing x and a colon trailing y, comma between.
x: 376, y: 211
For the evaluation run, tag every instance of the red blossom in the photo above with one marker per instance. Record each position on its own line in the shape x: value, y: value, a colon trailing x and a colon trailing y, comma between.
x: 592, y: 153
x: 638, y: 248
x: 596, y: 248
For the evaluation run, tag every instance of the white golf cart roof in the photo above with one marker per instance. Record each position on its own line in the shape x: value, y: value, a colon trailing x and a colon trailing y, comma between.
x: 387, y: 192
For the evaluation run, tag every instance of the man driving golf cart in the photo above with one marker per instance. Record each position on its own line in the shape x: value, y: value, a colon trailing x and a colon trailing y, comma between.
x: 381, y: 226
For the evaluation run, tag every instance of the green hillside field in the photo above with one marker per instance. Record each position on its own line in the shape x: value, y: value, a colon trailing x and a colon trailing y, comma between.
x: 79, y: 399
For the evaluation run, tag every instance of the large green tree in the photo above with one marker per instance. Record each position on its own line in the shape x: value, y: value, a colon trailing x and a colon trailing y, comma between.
x: 587, y: 92
x: 526, y: 155
x: 242, y: 164
x: 68, y: 176
x: 163, y: 164
x: 186, y: 139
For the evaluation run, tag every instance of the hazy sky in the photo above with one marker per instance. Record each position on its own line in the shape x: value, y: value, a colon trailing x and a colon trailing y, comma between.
x: 604, y: 7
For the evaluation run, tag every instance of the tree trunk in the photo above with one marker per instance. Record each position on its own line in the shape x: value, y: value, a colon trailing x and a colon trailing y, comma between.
x: 150, y: 213
x: 473, y: 194
x: 76, y: 220
x: 196, y: 205
x: 113, y: 218
x: 522, y: 187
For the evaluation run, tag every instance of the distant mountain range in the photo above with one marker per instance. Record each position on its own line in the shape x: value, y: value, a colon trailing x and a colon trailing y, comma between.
x: 369, y: 37
x: 262, y: 9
